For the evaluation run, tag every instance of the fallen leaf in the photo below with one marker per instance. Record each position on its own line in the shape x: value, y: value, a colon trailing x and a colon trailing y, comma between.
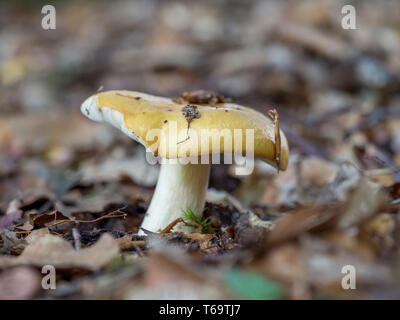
x: 362, y: 203
x: 53, y: 250
x: 35, y: 234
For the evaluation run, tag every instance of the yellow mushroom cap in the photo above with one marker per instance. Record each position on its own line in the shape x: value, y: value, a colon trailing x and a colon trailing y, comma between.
x: 150, y: 120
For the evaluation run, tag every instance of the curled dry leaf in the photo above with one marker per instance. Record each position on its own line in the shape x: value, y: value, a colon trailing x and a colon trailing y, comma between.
x: 45, y: 220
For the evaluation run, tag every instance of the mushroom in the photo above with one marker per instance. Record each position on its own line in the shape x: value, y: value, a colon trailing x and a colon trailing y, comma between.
x: 184, y: 172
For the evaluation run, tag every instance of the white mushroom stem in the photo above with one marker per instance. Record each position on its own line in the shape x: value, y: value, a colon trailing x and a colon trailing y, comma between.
x: 179, y: 187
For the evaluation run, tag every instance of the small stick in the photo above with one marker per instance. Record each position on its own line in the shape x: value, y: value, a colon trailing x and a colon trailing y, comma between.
x: 133, y: 244
x: 139, y: 243
x: 77, y: 239
x: 138, y: 250
x: 198, y: 226
x: 128, y: 96
x: 275, y: 117
x: 169, y: 227
x: 23, y: 232
x: 187, y: 133
x: 108, y: 215
x: 211, y: 247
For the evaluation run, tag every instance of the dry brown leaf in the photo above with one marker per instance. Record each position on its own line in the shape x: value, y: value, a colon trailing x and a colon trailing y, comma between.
x: 44, y: 220
x: 204, y: 240
x: 317, y: 172
x: 35, y: 234
x: 53, y: 250
x: 380, y: 232
x: 296, y: 222
x: 362, y: 203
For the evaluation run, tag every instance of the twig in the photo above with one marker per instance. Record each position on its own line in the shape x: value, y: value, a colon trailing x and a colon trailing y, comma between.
x: 107, y: 216
x: 138, y: 249
x: 139, y: 243
x: 23, y: 232
x: 128, y: 96
x: 133, y: 244
x: 169, y: 227
x: 187, y: 133
x: 275, y: 117
x: 199, y: 228
x: 77, y: 239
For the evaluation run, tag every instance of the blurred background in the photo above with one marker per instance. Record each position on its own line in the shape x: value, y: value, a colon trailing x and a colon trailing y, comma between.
x: 293, y: 55
x: 337, y: 92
